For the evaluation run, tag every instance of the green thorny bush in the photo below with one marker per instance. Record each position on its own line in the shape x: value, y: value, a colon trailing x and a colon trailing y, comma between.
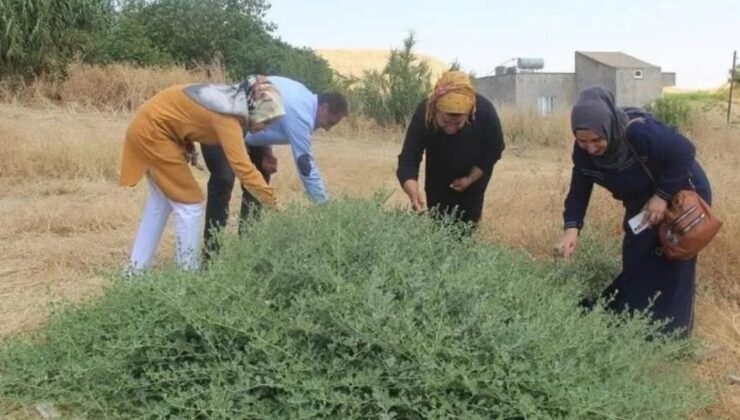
x: 350, y: 310
x: 674, y: 110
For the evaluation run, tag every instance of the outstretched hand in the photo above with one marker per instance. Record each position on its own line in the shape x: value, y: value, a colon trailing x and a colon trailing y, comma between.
x: 567, y: 244
x: 418, y: 203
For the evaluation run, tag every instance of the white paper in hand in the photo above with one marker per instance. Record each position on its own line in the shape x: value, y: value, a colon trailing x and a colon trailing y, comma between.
x: 636, y: 223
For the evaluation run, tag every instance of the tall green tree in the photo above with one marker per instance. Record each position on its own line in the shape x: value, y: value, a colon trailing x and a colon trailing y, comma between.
x: 302, y: 64
x: 38, y: 36
x: 390, y: 97
x: 197, y: 31
x: 189, y: 32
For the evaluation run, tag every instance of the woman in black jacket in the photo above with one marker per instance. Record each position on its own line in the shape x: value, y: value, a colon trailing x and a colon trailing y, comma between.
x: 460, y: 134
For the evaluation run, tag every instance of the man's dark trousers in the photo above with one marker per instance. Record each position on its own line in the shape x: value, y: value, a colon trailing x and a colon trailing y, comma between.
x: 220, y: 187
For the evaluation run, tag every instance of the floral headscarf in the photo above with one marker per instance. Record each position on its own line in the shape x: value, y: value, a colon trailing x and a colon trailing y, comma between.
x: 453, y: 94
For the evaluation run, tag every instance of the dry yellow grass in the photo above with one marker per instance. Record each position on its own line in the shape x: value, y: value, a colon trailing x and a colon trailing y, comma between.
x: 64, y: 221
x: 114, y: 87
x: 354, y: 62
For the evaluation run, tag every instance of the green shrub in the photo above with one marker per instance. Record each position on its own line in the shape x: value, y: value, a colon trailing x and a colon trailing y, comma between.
x: 347, y: 310
x: 390, y: 97
x: 596, y: 263
x: 127, y: 41
x: 673, y: 110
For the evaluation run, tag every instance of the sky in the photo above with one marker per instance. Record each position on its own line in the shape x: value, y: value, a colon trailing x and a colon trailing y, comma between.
x: 695, y: 39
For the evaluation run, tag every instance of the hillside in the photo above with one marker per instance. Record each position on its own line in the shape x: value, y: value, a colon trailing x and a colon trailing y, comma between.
x: 353, y: 62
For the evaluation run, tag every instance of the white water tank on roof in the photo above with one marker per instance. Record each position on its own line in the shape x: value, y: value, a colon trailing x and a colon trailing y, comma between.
x: 530, y: 63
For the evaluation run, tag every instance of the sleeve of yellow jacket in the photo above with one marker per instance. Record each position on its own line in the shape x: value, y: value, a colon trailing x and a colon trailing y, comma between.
x: 230, y: 137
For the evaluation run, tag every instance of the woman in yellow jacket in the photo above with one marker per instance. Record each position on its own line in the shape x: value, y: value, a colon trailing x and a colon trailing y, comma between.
x: 159, y: 144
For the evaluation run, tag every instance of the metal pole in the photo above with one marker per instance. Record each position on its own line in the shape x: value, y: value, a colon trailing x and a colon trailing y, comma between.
x: 732, y: 83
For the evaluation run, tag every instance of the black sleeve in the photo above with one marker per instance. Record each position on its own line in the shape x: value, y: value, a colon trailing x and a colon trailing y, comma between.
x: 413, y: 146
x: 578, y: 197
x: 493, y: 138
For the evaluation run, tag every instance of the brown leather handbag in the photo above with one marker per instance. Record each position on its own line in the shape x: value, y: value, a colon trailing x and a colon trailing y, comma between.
x: 688, y: 225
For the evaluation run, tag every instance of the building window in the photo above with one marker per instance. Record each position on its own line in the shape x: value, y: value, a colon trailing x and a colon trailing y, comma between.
x: 638, y: 74
x: 545, y: 104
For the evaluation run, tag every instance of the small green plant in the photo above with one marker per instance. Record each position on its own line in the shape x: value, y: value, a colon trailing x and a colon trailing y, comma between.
x: 351, y: 311
x: 597, y: 262
x: 674, y: 110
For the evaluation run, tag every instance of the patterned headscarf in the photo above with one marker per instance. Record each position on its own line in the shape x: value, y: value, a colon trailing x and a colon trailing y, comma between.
x: 255, y: 99
x: 453, y: 94
x: 595, y: 110
x: 265, y: 102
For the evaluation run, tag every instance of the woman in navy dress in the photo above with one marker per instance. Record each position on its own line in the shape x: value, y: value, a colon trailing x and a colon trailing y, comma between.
x: 602, y: 156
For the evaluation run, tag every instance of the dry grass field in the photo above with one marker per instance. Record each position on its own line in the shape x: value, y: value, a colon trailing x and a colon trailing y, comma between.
x: 65, y: 223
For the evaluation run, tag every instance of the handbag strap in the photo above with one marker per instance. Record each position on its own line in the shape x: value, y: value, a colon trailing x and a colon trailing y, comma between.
x: 634, y: 152
x: 637, y: 158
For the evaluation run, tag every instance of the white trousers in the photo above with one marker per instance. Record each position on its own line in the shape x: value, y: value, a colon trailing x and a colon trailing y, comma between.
x: 187, y: 230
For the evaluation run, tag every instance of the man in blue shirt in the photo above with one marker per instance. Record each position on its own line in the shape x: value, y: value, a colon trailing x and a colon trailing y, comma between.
x: 304, y: 113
